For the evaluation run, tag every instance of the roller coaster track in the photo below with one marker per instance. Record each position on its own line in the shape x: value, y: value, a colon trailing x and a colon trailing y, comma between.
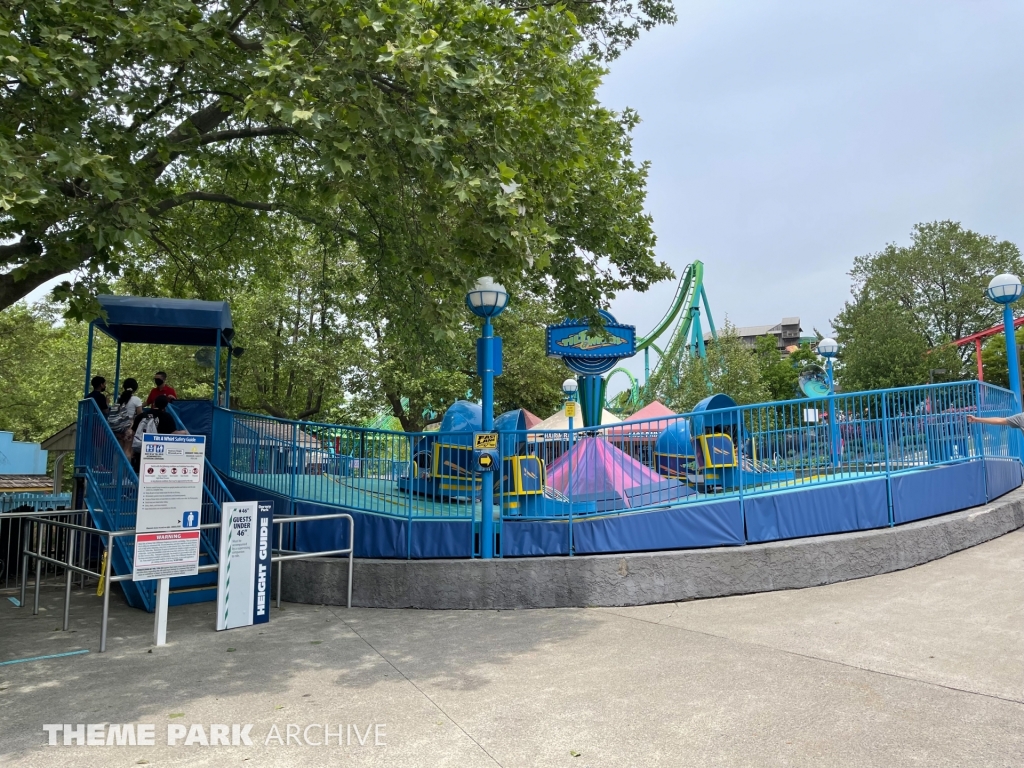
x: 682, y: 323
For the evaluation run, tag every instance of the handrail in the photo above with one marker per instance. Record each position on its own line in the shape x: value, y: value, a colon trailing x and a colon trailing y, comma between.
x: 38, y: 557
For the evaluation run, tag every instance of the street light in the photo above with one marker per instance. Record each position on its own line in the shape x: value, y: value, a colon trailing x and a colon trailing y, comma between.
x: 1006, y: 289
x: 829, y: 348
x: 487, y: 299
x: 569, y: 387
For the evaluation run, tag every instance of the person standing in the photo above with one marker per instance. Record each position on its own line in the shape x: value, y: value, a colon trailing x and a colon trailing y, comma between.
x: 128, y: 404
x: 161, y: 388
x: 99, y: 387
x: 154, y: 420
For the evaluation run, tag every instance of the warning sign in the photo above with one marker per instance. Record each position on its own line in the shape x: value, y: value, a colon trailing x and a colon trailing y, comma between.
x: 166, y: 555
x: 570, y: 410
x: 485, y: 441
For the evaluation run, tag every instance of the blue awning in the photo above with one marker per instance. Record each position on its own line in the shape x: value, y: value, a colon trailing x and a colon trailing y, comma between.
x: 142, y: 320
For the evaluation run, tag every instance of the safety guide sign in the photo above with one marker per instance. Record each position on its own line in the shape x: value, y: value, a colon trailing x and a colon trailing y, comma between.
x: 170, y: 482
x: 246, y: 542
x: 170, y: 500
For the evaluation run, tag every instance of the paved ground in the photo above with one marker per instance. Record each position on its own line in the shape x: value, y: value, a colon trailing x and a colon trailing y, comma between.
x: 919, y: 668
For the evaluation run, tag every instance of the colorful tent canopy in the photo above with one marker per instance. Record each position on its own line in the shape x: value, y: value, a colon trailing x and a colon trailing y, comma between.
x: 595, y: 470
x: 652, y: 418
x: 558, y: 421
x: 532, y: 419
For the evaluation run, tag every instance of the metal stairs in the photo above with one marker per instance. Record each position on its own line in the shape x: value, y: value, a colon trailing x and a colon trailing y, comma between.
x: 111, y: 496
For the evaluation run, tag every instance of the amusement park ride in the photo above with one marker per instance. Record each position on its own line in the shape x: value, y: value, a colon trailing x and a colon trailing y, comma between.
x: 684, y: 329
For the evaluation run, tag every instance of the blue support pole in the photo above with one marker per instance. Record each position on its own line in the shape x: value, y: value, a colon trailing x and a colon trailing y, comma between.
x: 1014, y: 371
x: 216, y: 372
x: 227, y: 382
x: 88, y: 358
x: 888, y: 466
x: 569, y: 485
x: 487, y: 424
x: 833, y: 427
x: 1011, y: 353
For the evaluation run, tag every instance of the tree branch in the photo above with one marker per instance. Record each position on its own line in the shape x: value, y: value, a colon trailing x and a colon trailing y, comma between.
x: 246, y: 133
x: 27, y: 246
x: 14, y: 285
x: 209, y: 197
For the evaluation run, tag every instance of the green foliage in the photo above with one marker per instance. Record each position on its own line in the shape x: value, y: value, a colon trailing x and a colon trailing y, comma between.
x: 781, y: 372
x: 881, y: 346
x: 730, y: 368
x: 910, y: 302
x: 441, y: 140
x: 939, y: 280
x: 993, y: 358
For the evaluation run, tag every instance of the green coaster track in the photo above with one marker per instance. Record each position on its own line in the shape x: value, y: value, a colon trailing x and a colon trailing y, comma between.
x: 685, y: 332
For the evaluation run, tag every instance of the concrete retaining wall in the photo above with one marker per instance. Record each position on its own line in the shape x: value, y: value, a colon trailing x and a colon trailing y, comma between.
x: 652, y: 577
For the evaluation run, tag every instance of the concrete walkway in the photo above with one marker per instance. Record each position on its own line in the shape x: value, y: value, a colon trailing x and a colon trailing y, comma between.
x: 923, y: 667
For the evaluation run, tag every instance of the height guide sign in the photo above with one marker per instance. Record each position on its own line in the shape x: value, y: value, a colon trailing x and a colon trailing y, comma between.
x: 246, y: 542
x: 169, y: 507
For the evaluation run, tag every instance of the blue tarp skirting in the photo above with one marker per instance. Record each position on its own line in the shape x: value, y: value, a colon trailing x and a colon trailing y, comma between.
x: 1002, y: 476
x: 817, y: 510
x: 938, y: 490
x: 694, y: 525
x: 794, y: 513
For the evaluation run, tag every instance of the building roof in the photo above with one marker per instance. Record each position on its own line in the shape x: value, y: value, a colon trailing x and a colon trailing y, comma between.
x: 744, y: 331
x: 25, y: 483
x: 61, y: 441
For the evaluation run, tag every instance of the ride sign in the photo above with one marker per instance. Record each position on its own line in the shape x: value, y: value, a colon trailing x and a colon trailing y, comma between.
x: 485, y: 451
x: 169, y: 507
x: 170, y: 482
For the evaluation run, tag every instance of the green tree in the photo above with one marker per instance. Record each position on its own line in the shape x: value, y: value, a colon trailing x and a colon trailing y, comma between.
x: 938, y: 282
x: 993, y: 358
x: 444, y: 140
x: 881, y: 346
x: 910, y: 302
x: 730, y: 368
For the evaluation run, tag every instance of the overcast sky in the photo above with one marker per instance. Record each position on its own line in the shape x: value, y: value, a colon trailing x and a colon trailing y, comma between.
x: 786, y: 138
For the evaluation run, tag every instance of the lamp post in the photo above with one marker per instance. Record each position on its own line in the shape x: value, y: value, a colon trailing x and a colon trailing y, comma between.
x: 829, y: 348
x: 1006, y: 289
x: 569, y: 387
x: 487, y: 299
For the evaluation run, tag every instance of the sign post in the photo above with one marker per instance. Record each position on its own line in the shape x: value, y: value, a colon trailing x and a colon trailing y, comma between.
x: 243, y: 579
x: 169, y: 511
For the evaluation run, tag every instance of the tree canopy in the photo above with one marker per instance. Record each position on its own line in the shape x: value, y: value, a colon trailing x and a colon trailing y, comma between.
x: 909, y: 302
x: 442, y: 140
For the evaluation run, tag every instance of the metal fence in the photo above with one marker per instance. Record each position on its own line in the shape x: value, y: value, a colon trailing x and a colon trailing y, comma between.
x: 67, y: 542
x: 627, y: 467
x: 112, y: 487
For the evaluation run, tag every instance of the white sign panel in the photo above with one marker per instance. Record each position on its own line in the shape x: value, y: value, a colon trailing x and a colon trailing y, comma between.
x: 166, y: 555
x: 243, y: 583
x: 170, y: 483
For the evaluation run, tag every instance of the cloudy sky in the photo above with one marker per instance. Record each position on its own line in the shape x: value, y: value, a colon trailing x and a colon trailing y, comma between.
x: 786, y: 138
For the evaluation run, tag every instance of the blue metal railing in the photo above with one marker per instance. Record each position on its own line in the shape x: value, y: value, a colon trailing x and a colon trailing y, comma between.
x: 111, y: 490
x: 736, y: 452
x: 37, y: 502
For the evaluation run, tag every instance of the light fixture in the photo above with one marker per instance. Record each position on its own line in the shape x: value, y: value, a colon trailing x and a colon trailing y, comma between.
x: 488, y: 298
x: 828, y: 348
x: 1004, y: 289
